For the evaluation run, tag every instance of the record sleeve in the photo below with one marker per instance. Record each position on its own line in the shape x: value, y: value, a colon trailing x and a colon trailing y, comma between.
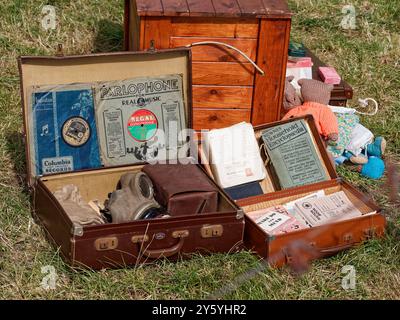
x: 141, y: 120
x: 63, y: 129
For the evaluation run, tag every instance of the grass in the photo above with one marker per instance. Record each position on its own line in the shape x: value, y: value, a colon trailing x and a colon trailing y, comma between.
x: 368, y: 58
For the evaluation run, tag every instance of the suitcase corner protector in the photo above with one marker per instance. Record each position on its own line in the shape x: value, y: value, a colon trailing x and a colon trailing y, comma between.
x: 240, y: 214
x: 77, y: 230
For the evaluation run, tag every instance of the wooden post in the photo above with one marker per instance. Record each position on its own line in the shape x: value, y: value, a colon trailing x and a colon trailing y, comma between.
x: 272, y: 58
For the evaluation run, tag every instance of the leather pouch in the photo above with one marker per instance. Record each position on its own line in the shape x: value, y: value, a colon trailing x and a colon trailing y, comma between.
x: 182, y: 189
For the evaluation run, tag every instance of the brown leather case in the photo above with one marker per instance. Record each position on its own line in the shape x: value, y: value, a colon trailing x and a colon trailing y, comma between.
x: 119, y: 245
x: 189, y: 192
x: 299, y: 247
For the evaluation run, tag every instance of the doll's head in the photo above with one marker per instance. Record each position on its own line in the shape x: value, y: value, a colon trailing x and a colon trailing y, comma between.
x: 315, y: 91
x: 291, y: 99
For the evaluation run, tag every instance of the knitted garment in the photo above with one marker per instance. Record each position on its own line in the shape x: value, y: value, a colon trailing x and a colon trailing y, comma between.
x: 325, y: 119
x: 315, y: 91
x: 374, y: 169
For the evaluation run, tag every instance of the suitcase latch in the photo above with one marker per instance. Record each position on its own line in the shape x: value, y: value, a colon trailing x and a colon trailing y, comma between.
x: 140, y: 238
x: 152, y: 47
x: 60, y: 50
x: 369, y: 233
x: 348, y: 237
x: 212, y: 231
x: 103, y: 244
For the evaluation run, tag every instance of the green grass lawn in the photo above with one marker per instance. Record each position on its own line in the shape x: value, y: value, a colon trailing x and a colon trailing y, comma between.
x: 368, y: 58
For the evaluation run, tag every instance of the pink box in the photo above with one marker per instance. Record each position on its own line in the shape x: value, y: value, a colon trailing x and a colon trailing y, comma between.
x: 299, y: 62
x: 329, y: 75
x: 276, y: 220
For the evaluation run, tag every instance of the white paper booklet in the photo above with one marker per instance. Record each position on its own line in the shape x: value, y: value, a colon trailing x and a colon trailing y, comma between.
x: 329, y: 209
x: 234, y: 155
x: 291, y: 206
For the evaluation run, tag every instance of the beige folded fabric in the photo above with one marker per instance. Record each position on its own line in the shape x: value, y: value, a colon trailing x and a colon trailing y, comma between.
x: 75, y: 207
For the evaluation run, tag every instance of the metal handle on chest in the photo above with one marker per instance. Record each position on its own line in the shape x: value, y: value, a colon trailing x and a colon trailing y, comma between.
x: 261, y: 71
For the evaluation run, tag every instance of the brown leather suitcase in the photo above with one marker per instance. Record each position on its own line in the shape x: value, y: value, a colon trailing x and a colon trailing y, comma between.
x: 297, y: 248
x: 119, y: 245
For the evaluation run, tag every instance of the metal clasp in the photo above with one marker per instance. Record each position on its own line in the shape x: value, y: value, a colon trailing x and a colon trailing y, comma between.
x: 369, y: 233
x: 103, y: 244
x: 152, y: 47
x: 212, y: 231
x: 60, y: 50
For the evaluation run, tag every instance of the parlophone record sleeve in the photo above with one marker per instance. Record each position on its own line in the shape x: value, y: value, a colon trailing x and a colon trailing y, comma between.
x: 63, y: 128
x: 141, y: 119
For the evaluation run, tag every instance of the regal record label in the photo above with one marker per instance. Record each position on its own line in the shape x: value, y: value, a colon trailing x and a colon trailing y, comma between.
x: 142, y: 125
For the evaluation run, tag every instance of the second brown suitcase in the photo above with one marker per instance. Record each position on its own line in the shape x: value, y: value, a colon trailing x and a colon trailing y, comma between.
x: 299, y: 247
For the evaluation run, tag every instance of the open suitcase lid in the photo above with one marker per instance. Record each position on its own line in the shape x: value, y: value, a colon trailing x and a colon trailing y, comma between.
x: 319, y: 144
x: 63, y: 70
x: 270, y: 185
x: 322, y: 153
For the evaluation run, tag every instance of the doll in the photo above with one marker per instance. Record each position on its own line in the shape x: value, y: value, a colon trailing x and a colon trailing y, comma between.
x: 291, y: 98
x: 316, y: 96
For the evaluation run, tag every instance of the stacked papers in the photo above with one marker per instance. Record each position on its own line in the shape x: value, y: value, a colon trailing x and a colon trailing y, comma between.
x: 234, y: 155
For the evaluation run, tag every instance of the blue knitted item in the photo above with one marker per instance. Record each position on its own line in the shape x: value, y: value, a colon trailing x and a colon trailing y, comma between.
x: 375, y: 149
x: 374, y: 169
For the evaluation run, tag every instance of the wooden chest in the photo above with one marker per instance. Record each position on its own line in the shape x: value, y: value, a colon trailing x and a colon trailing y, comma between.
x: 227, y: 88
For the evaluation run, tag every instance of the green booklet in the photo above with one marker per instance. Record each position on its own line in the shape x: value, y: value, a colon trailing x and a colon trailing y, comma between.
x: 293, y: 154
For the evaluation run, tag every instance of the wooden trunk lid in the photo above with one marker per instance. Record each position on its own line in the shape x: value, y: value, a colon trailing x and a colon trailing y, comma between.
x: 213, y: 8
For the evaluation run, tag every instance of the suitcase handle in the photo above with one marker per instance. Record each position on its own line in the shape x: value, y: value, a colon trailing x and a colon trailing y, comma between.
x: 317, y: 252
x: 158, y: 253
x: 336, y: 249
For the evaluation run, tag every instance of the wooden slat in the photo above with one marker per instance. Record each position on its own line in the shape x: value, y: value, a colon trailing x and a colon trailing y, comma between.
x: 142, y: 32
x: 132, y: 23
x: 203, y: 8
x: 149, y: 7
x: 175, y: 7
x: 214, y: 118
x: 215, y: 27
x: 251, y: 7
x: 157, y: 29
x: 271, y: 57
x: 222, y: 97
x: 217, y: 52
x: 223, y: 73
x: 227, y: 8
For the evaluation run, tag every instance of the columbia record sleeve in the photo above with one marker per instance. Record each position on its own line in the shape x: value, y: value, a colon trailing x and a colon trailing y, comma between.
x: 63, y: 129
x: 141, y: 119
